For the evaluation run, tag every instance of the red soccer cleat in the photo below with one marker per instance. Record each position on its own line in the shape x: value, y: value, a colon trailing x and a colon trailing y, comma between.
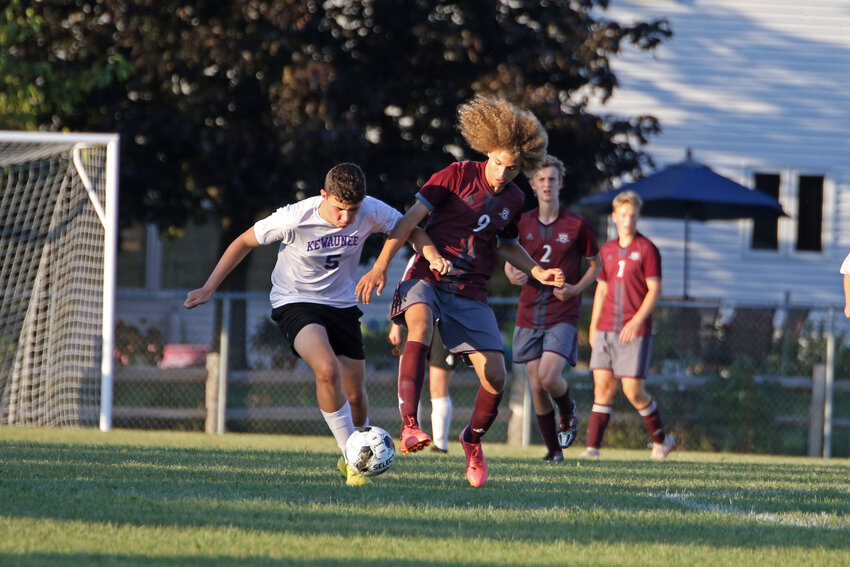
x: 413, y: 439
x: 476, y: 464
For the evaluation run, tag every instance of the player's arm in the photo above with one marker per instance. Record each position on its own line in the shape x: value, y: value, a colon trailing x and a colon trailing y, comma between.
x: 594, y: 266
x: 234, y: 254
x: 376, y: 278
x: 395, y: 335
x: 596, y: 311
x: 517, y: 255
x: 423, y: 245
x: 650, y: 300
x: 515, y: 275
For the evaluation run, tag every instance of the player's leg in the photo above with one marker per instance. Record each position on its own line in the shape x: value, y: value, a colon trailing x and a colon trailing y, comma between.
x: 560, y: 346
x: 419, y: 319
x: 353, y: 372
x: 490, y: 368
x: 544, y: 411
x: 632, y: 363
x: 635, y: 392
x: 313, y: 346
x: 527, y: 349
x: 441, y: 406
x: 604, y: 389
x: 439, y: 374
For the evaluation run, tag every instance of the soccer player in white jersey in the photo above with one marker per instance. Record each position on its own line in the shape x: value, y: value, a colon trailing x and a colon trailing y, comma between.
x: 845, y: 272
x: 313, y: 283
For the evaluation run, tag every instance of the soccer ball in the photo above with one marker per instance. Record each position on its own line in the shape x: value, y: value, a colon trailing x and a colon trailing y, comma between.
x: 370, y: 450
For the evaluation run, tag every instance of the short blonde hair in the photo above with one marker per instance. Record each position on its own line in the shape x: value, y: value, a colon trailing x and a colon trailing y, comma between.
x: 551, y: 161
x: 490, y: 125
x: 627, y: 198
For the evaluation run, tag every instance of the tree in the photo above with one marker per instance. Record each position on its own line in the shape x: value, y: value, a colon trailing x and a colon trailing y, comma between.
x: 233, y: 107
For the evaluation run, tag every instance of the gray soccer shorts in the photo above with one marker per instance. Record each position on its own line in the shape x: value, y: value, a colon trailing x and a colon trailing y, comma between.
x: 465, y: 325
x: 630, y: 360
x: 529, y: 344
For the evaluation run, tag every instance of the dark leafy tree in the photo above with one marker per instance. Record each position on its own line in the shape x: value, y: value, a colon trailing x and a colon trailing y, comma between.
x: 234, y: 107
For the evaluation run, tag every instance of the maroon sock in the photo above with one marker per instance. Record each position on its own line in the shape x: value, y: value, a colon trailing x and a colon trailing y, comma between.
x: 411, y: 376
x: 483, y: 415
x: 600, y: 415
x: 546, y: 423
x: 652, y: 422
x: 564, y: 403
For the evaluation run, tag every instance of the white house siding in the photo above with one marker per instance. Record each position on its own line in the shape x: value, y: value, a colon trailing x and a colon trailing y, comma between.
x: 748, y: 86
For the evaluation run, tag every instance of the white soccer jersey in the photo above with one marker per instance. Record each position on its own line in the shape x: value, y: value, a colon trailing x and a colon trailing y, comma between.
x: 317, y: 262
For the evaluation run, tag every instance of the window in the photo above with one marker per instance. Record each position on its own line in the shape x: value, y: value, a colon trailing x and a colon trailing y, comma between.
x: 804, y: 198
x: 766, y: 232
x: 810, y: 213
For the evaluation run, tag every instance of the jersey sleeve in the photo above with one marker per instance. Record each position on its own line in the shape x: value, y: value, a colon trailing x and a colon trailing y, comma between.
x: 440, y: 186
x: 587, y: 240
x: 385, y: 216
x: 652, y: 262
x: 603, y: 273
x: 277, y: 227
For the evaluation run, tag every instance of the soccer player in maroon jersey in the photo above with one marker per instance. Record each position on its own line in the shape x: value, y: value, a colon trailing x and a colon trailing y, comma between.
x: 474, y: 209
x: 627, y: 290
x: 545, y: 335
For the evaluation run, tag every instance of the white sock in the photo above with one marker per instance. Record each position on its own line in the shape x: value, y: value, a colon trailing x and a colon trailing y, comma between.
x: 441, y: 421
x: 340, y: 424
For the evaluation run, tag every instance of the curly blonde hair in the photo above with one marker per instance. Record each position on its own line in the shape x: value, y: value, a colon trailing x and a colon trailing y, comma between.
x: 490, y: 125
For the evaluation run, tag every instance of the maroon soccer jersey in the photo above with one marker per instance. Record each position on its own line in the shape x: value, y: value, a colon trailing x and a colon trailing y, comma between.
x: 561, y: 244
x: 466, y: 219
x: 626, y: 271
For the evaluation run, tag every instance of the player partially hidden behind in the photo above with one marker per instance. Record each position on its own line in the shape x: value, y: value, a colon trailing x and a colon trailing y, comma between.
x: 546, y: 331
x: 474, y: 209
x: 313, y: 285
x: 845, y: 271
x: 627, y: 290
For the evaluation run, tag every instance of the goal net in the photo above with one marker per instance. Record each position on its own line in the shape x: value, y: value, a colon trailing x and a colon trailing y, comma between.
x: 58, y: 222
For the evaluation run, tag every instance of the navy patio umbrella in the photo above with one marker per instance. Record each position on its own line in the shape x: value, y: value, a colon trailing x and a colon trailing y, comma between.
x: 690, y: 190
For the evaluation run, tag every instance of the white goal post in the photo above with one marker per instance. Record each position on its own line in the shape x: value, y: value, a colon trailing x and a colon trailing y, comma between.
x: 58, y: 246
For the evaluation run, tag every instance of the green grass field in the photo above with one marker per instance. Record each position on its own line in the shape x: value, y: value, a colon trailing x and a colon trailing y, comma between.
x: 81, y: 497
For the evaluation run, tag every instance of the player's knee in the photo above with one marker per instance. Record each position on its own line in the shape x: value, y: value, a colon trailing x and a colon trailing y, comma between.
x: 356, y: 398
x: 326, y: 373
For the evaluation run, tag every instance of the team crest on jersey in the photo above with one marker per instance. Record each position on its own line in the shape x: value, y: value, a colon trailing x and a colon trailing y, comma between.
x: 529, y: 236
x: 563, y: 237
x: 634, y: 256
x: 469, y: 199
x: 505, y: 214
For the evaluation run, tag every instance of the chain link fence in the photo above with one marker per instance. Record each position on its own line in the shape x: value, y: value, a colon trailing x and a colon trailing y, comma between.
x: 744, y: 378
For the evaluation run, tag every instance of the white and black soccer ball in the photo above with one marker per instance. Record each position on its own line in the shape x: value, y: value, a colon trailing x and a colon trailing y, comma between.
x: 370, y: 450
